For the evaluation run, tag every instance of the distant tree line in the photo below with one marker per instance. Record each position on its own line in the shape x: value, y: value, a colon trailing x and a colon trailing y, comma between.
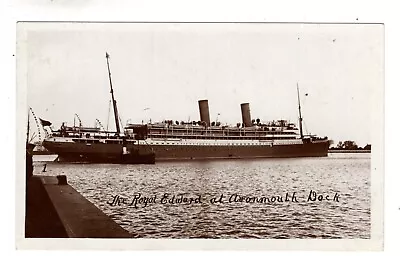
x: 350, y: 145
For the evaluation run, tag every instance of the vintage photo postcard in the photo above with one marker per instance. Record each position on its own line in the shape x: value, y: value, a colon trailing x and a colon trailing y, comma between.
x: 256, y: 136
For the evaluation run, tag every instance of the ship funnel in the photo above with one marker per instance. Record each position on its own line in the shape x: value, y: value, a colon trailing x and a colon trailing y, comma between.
x: 246, y: 117
x: 204, y: 112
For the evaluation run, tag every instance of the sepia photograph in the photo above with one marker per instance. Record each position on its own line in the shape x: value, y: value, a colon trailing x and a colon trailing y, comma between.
x: 263, y: 135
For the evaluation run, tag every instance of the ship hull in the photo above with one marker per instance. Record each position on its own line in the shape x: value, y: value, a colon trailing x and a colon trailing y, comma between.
x: 241, y: 152
x: 73, y: 152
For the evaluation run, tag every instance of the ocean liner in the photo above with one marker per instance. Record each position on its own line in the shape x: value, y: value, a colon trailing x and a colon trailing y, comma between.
x: 174, y: 140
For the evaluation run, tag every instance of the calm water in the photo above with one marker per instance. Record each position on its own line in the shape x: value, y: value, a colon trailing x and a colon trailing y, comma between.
x: 348, y: 175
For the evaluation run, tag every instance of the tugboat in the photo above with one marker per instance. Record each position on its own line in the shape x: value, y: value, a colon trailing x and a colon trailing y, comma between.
x: 136, y: 156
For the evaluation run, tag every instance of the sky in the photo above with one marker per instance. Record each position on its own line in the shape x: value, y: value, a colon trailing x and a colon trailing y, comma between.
x: 161, y: 70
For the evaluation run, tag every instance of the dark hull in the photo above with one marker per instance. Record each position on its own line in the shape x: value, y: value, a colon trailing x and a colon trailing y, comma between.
x: 242, y: 152
x: 112, y: 153
x: 146, y: 158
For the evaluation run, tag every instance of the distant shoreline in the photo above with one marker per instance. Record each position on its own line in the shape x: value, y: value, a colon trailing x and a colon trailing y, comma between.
x: 348, y: 151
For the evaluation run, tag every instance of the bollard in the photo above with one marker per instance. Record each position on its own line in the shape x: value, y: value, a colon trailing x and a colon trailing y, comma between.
x: 62, y: 179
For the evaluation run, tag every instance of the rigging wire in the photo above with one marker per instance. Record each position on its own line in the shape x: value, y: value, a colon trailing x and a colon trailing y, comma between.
x: 37, y: 125
x: 101, y: 126
x: 305, y: 126
x: 120, y: 121
x: 108, y: 116
x: 305, y: 96
x: 79, y: 119
x: 32, y: 137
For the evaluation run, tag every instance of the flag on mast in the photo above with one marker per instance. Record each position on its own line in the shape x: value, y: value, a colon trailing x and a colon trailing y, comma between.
x: 44, y: 122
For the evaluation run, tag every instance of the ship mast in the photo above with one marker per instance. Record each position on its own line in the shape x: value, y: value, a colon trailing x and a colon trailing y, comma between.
x: 112, y: 97
x: 300, y: 118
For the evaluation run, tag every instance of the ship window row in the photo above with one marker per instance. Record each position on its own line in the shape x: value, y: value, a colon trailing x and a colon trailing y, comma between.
x: 92, y: 141
x: 222, y: 144
x: 220, y: 130
x: 215, y: 144
x: 89, y: 136
x: 87, y: 141
x: 230, y: 134
x: 221, y: 137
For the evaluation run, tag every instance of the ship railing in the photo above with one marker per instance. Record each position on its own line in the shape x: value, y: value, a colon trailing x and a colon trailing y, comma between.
x: 228, y: 135
x: 221, y: 132
x: 220, y: 137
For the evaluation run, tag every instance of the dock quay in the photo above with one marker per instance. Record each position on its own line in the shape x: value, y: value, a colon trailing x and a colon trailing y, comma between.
x: 55, y: 209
